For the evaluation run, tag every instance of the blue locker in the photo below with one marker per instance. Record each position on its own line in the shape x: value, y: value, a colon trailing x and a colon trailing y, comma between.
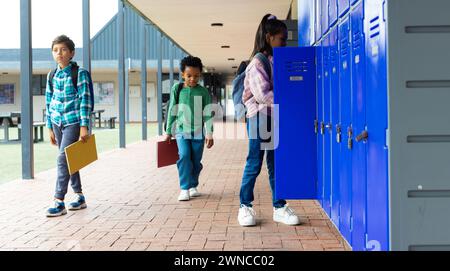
x: 320, y: 124
x: 318, y: 19
x: 345, y: 162
x: 377, y: 151
x: 324, y: 16
x: 359, y: 196
x: 343, y: 7
x: 333, y: 12
x: 327, y: 121
x: 294, y: 88
x: 306, y: 20
x: 335, y: 123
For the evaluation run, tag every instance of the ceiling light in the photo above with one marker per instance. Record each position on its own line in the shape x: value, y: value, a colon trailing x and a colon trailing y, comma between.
x: 217, y: 24
x: 225, y: 46
x: 234, y: 67
x: 231, y: 59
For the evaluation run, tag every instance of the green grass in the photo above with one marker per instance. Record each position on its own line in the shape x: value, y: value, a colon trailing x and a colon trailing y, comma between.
x: 45, y: 153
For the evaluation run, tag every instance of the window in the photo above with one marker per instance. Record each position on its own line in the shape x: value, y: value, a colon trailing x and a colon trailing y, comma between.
x: 104, y: 93
x: 38, y: 84
x: 6, y: 93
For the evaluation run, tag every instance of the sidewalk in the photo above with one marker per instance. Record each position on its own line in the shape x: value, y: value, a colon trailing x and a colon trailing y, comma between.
x: 132, y: 205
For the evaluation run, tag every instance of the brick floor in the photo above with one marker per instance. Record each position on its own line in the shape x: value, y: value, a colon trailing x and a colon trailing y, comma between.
x: 132, y: 205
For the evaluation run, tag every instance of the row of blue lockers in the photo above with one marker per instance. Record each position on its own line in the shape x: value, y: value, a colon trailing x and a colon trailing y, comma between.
x: 341, y: 156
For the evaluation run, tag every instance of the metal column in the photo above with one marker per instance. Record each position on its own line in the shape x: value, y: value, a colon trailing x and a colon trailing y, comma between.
x: 160, y: 116
x: 144, y: 79
x: 26, y: 94
x: 171, y: 48
x: 86, y: 36
x: 121, y: 79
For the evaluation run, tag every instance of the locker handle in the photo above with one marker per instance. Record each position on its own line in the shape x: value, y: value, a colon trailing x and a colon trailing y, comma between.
x: 362, y: 136
x: 316, y: 126
x: 322, y: 128
x: 338, y: 134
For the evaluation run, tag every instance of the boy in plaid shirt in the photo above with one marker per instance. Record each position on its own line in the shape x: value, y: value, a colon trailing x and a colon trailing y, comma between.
x: 68, y: 112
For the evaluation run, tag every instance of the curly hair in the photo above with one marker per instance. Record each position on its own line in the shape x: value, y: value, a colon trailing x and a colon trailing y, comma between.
x: 191, y: 61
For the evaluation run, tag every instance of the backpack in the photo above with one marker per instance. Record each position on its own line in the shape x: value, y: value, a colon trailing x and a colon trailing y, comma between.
x: 177, y: 96
x: 238, y: 87
x: 74, y: 75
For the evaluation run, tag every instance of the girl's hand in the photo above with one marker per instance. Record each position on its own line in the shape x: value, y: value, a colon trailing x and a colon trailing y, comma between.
x: 52, y: 137
x: 84, y: 134
x: 209, y: 142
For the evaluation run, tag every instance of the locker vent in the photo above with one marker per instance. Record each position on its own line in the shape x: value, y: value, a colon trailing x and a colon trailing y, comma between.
x: 428, y: 84
x: 429, y: 248
x: 344, y: 46
x: 374, y: 27
x: 297, y: 66
x: 357, y: 39
x: 429, y: 194
x: 428, y: 138
x: 422, y: 29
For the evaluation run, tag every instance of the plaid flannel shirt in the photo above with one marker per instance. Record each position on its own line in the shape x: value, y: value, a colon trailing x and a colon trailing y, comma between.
x: 65, y: 105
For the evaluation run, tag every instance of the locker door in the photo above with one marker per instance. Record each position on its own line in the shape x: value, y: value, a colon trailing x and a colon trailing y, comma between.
x: 353, y: 2
x: 295, y: 97
x: 335, y: 122
x: 333, y: 12
x: 377, y: 151
x: 328, y: 127
x: 345, y: 164
x: 358, y: 127
x: 320, y: 123
x: 324, y: 16
x: 343, y: 7
x: 306, y: 31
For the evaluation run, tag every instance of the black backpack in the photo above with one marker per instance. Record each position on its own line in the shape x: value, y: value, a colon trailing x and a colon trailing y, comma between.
x: 176, y: 97
x: 74, y: 76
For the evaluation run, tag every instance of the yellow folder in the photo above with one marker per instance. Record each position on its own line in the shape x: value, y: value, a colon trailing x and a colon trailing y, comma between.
x: 80, y: 154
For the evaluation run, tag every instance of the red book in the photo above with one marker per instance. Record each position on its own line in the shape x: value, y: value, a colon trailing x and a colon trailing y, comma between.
x: 167, y: 153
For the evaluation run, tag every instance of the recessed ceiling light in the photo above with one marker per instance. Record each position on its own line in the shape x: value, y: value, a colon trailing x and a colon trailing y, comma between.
x: 234, y: 67
x: 4, y: 73
x: 216, y: 24
x: 225, y: 46
x: 231, y: 59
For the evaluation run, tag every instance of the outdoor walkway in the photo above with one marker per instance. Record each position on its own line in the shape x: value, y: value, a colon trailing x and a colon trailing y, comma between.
x: 132, y: 205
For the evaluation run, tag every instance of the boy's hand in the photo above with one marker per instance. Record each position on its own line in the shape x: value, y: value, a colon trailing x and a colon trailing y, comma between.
x: 167, y: 138
x: 52, y: 137
x: 209, y: 142
x: 84, y: 134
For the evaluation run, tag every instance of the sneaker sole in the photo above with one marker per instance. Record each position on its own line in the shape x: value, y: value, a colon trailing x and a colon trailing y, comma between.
x: 57, y: 214
x: 289, y: 224
x: 195, y: 195
x: 82, y: 206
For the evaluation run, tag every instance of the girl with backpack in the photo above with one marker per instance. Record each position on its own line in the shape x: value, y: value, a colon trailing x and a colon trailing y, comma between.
x: 258, y: 100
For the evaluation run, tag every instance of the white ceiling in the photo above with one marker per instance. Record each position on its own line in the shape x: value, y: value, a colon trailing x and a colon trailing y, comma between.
x: 188, y: 23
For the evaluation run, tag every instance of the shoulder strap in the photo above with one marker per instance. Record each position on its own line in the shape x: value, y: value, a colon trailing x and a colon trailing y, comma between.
x: 74, y: 75
x: 177, y: 93
x: 265, y: 62
x: 50, y: 79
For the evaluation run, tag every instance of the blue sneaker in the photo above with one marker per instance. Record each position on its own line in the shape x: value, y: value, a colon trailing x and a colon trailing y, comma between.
x: 58, y: 210
x: 78, y: 204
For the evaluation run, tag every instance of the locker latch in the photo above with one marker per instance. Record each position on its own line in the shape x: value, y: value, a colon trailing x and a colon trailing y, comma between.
x: 338, y: 133
x: 362, y: 136
x: 329, y: 126
x: 316, y: 126
x: 322, y: 128
x: 350, y: 140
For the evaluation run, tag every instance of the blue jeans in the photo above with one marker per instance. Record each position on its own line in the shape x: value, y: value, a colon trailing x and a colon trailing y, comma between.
x: 255, y: 159
x: 64, y: 137
x: 189, y: 164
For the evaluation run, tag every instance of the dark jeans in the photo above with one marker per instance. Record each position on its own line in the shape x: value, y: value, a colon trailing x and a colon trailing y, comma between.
x: 64, y: 137
x: 255, y: 159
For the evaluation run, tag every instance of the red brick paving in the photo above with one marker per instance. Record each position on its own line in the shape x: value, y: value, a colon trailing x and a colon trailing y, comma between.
x: 132, y: 205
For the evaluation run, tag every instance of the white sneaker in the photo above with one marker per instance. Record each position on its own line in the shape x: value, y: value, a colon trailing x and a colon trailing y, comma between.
x: 193, y: 192
x: 246, y: 216
x: 285, y: 215
x: 184, y: 195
